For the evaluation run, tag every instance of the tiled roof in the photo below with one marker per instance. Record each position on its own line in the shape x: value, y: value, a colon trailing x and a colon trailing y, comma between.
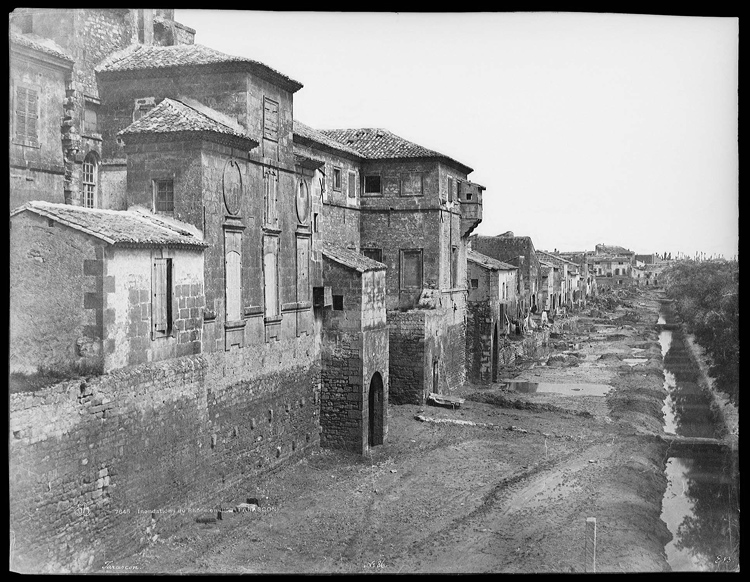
x: 488, y: 262
x: 307, y: 132
x: 350, y: 258
x: 381, y: 144
x: 172, y: 116
x: 138, y: 57
x: 41, y: 44
x: 555, y: 258
x: 126, y: 227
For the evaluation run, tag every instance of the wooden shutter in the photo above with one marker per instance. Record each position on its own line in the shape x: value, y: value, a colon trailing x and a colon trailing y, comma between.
x: 27, y: 101
x: 159, y: 290
x: 270, y: 119
x: 450, y: 189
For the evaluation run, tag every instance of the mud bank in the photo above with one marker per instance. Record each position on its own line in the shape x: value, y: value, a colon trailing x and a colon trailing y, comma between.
x: 726, y: 412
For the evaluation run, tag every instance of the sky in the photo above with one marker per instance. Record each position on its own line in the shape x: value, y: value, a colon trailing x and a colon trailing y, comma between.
x: 585, y: 128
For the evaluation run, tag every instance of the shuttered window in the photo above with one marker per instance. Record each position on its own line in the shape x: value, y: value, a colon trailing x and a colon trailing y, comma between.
x: 27, y: 115
x: 270, y: 119
x: 161, y: 298
x: 450, y: 189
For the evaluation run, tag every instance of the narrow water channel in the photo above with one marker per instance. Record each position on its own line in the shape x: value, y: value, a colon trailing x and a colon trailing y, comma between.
x: 701, y: 503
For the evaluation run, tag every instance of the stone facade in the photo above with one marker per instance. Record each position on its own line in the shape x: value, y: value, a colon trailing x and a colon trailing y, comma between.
x: 518, y: 251
x: 242, y: 371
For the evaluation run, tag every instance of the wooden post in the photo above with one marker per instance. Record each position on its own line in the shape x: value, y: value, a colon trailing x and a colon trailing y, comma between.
x: 590, y: 545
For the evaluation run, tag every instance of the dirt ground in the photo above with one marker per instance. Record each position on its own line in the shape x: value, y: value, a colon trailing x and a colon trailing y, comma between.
x: 510, y: 493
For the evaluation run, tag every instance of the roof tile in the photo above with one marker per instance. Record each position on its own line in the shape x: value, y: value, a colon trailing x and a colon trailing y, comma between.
x: 39, y: 43
x: 172, y: 116
x: 116, y: 226
x: 350, y: 258
x: 381, y: 144
x: 138, y: 57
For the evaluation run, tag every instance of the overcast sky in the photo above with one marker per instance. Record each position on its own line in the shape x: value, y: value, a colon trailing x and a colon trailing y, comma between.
x: 584, y: 128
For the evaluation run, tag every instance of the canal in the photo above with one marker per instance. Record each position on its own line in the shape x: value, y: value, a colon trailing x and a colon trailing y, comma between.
x: 701, y: 503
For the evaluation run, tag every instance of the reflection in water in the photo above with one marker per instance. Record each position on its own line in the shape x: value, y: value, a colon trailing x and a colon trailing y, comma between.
x: 700, y: 505
x: 564, y: 389
x: 700, y: 508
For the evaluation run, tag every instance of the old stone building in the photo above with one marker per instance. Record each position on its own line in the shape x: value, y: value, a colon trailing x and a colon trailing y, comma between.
x: 120, y: 279
x: 491, y: 304
x: 222, y: 288
x: 572, y: 291
x: 517, y: 251
x: 549, y: 288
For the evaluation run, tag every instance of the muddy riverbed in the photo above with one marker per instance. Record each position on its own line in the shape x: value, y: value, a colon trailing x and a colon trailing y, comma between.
x: 508, y: 491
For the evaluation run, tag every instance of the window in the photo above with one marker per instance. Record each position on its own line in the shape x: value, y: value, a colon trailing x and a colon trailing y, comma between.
x: 163, y: 196
x: 411, y: 269
x: 90, y: 174
x: 374, y: 254
x: 372, y: 184
x: 475, y: 283
x: 352, y: 192
x: 337, y: 178
x: 338, y: 303
x: 450, y: 189
x: 469, y: 194
x: 412, y: 184
x: 270, y: 119
x: 27, y: 116
x: 505, y: 291
x: 90, y: 115
x: 233, y: 275
x: 161, y: 302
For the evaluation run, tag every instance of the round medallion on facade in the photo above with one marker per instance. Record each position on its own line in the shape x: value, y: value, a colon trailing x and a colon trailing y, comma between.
x: 232, y: 187
x: 303, y: 202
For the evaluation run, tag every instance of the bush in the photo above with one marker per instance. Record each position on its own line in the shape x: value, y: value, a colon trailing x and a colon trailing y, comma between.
x: 706, y: 296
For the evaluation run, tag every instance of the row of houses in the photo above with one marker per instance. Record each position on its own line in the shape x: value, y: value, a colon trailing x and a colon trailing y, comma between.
x: 218, y: 287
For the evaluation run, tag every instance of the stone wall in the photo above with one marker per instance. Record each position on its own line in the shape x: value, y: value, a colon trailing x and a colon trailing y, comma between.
x: 407, y: 356
x: 45, y: 327
x: 480, y: 326
x: 127, y: 301
x: 342, y: 387
x: 103, y: 466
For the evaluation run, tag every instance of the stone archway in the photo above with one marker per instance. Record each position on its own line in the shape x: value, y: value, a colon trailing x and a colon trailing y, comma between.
x: 376, y: 414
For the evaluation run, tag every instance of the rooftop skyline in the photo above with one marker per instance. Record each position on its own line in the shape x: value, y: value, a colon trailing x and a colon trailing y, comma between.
x: 584, y: 128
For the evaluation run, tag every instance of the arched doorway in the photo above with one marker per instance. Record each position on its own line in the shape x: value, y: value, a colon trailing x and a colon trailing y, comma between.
x: 375, y: 399
x: 494, y: 354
